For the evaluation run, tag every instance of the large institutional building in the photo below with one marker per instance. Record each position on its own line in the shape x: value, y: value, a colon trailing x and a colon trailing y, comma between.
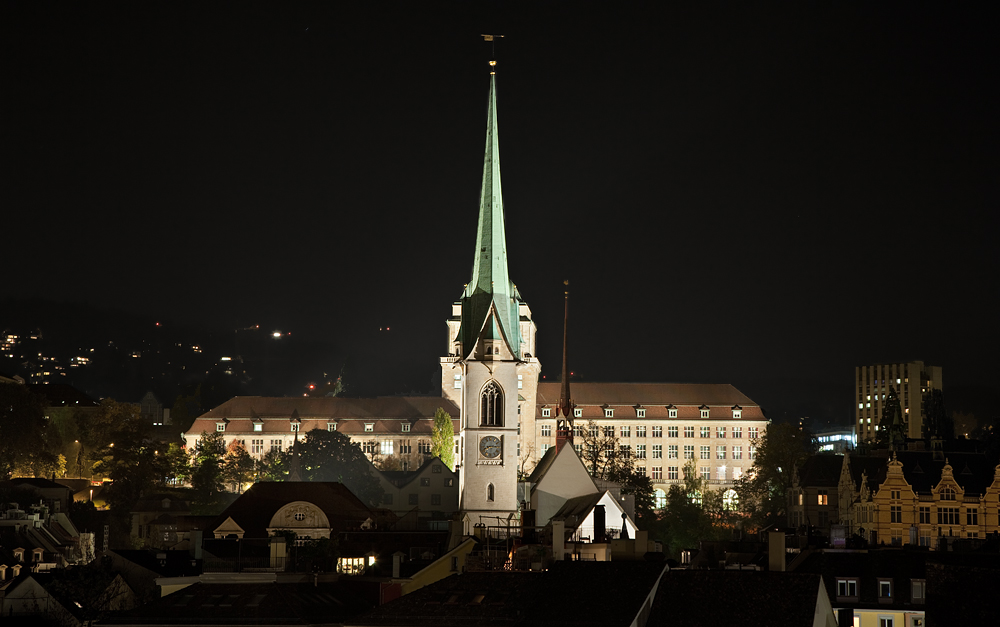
x: 912, y: 382
x: 505, y: 420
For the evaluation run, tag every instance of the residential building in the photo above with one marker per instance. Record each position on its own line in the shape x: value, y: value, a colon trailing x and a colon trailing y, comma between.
x: 664, y: 426
x: 912, y: 381
x: 837, y: 441
x: 813, y: 495
x: 384, y: 426
x: 918, y: 498
x: 426, y: 497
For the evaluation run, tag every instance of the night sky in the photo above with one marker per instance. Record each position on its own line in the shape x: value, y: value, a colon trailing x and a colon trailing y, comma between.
x: 765, y: 197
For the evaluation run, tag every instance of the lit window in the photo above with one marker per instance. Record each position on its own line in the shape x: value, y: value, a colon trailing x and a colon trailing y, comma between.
x: 520, y: 382
x: 659, y: 499
x: 720, y: 452
x: 737, y: 413
x: 821, y: 498
x: 369, y: 427
x: 458, y: 382
x: 706, y: 432
x: 258, y: 426
x: 385, y: 447
x: 720, y: 432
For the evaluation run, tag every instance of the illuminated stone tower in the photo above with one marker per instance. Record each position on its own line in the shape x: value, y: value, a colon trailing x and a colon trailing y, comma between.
x: 490, y: 372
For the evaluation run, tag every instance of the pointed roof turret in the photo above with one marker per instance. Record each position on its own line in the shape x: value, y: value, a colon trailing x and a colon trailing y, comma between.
x: 490, y: 300
x: 564, y: 426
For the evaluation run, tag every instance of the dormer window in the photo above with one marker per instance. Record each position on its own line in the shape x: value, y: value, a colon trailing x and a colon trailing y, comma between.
x: 737, y: 412
x: 671, y: 412
x: 295, y: 426
x: 406, y: 427
x: 546, y: 412
x: 369, y: 427
x: 19, y: 555
x: 704, y: 412
x: 36, y: 555
x: 331, y: 426
x: 609, y: 413
x: 220, y: 427
x: 577, y: 413
x: 640, y: 413
x: 258, y: 426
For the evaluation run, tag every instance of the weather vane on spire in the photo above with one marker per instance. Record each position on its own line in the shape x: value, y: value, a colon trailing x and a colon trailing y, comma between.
x: 493, y: 50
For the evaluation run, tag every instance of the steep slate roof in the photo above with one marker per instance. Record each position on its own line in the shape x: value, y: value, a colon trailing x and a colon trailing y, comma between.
x: 385, y: 407
x: 570, y: 593
x: 747, y: 598
x: 268, y: 603
x: 687, y: 398
x: 254, y: 508
x: 973, y: 471
x: 821, y: 471
x: 868, y: 567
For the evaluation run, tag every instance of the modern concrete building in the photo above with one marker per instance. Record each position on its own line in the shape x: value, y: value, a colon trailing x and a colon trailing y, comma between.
x: 912, y: 381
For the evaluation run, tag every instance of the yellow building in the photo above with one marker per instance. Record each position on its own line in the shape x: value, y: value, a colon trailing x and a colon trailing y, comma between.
x: 919, y: 497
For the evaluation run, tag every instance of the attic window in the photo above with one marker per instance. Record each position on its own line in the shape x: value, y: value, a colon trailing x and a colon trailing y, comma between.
x: 546, y: 412
x: 406, y: 427
x: 672, y: 413
x: 331, y: 426
x: 609, y: 413
x: 704, y: 413
x: 258, y: 426
x: 737, y: 412
x: 640, y: 413
x: 220, y: 427
x: 295, y: 426
x: 369, y: 427
x: 577, y: 413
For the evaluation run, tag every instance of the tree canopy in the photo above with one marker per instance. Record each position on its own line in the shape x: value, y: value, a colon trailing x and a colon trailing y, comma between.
x: 331, y: 456
x: 443, y: 438
x: 22, y: 429
x: 762, y: 489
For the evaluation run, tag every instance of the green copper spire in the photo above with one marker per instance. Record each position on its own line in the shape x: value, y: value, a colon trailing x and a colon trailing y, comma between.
x: 490, y: 289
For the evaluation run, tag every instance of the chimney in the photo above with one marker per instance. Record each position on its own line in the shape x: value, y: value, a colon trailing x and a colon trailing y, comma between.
x: 397, y: 561
x: 776, y: 551
x: 558, y: 540
x: 599, y: 529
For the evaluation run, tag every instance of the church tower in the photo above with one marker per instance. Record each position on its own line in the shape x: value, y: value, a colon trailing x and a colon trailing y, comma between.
x: 490, y: 371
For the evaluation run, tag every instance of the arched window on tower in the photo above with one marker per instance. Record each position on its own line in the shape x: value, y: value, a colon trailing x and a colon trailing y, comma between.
x: 489, y: 492
x: 491, y: 412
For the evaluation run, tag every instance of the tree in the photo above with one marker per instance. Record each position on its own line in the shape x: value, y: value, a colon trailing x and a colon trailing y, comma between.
x: 331, y: 456
x: 206, y: 478
x: 129, y: 459
x: 237, y: 466
x: 272, y: 466
x: 762, y: 489
x: 690, y: 514
x: 22, y: 429
x: 178, y: 464
x: 443, y: 438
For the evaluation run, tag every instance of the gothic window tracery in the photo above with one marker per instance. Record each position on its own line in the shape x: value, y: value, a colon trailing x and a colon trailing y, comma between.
x: 491, y: 405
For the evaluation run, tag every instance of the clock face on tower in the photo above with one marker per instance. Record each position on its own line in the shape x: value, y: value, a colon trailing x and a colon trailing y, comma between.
x: 489, y: 447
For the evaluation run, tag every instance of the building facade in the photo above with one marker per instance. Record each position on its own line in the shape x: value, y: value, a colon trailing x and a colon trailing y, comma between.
x: 399, y: 426
x: 663, y: 427
x: 912, y: 381
x: 919, y: 498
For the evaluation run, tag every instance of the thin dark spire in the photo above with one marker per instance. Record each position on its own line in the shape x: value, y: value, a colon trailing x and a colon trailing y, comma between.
x: 564, y: 425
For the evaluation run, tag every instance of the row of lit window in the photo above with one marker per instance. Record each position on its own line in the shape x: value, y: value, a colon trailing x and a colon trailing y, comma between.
x: 639, y: 413
x: 705, y: 472
x: 656, y: 431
